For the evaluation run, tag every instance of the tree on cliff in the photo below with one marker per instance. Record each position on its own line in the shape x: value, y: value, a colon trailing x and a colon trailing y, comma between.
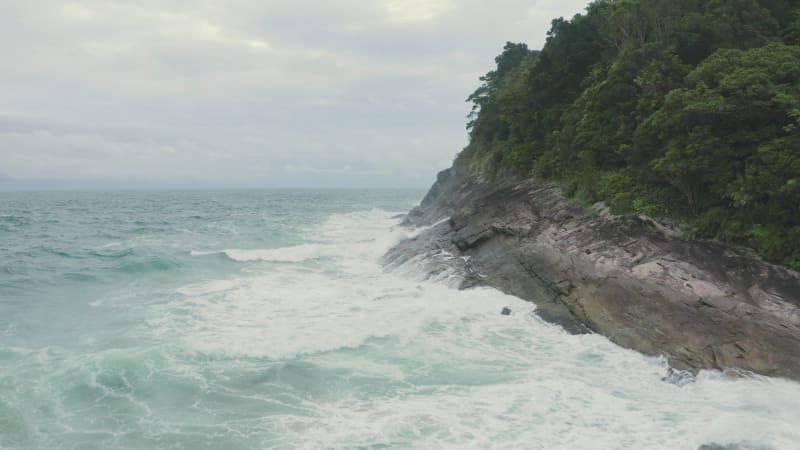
x: 675, y: 108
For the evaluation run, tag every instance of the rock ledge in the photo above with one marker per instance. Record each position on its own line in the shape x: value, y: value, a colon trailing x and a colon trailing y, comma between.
x: 704, y: 305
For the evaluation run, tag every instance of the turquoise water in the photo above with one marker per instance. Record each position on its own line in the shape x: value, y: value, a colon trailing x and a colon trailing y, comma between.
x: 263, y: 319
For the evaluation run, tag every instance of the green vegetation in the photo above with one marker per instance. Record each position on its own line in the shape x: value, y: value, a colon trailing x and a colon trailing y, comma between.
x: 687, y: 109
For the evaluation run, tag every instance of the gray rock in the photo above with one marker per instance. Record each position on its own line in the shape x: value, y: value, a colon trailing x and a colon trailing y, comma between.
x: 703, y: 304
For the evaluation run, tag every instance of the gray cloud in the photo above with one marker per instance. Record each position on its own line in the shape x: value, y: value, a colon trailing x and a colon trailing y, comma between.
x: 247, y: 93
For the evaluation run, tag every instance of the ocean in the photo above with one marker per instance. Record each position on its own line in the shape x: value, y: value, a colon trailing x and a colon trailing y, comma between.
x: 264, y: 319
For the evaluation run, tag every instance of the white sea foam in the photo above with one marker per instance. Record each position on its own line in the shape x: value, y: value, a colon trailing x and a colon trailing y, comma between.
x: 450, y: 370
x: 365, y: 234
x: 294, y: 310
x: 297, y: 253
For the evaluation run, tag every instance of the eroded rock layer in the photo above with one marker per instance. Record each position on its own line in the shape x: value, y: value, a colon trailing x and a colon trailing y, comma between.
x: 703, y: 304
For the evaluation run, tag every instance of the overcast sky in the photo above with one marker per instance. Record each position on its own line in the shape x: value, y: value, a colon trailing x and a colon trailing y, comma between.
x: 245, y: 93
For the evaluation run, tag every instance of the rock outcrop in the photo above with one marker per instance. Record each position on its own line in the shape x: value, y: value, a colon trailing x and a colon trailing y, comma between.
x: 703, y: 304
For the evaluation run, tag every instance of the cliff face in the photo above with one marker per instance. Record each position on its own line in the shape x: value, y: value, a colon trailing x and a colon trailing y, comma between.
x: 703, y: 304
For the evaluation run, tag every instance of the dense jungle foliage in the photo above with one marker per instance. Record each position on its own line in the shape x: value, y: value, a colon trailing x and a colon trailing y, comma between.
x: 687, y: 109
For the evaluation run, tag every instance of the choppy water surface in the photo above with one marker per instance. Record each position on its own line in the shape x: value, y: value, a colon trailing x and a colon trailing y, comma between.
x: 263, y: 319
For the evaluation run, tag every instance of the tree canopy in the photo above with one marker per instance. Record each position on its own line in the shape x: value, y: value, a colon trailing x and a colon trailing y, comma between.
x: 688, y: 109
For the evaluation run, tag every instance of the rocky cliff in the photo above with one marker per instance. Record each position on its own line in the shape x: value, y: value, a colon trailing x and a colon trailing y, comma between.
x: 703, y: 304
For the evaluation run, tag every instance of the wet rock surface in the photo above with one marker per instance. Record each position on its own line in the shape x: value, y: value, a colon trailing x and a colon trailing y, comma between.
x: 703, y: 304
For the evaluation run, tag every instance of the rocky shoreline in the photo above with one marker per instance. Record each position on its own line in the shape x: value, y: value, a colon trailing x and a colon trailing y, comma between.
x: 703, y: 304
